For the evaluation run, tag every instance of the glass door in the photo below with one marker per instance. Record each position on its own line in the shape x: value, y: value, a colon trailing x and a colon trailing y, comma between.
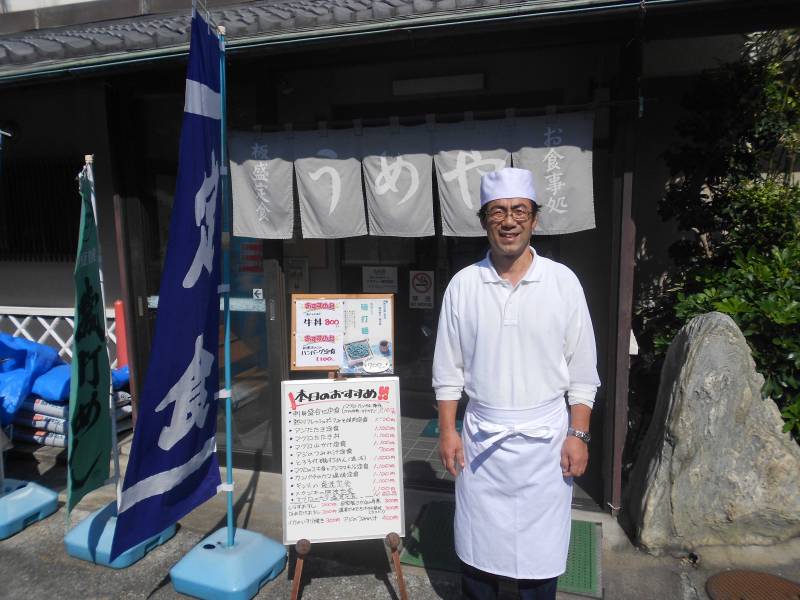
x: 258, y: 358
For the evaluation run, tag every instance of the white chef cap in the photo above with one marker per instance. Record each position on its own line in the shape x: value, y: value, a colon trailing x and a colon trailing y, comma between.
x: 507, y: 183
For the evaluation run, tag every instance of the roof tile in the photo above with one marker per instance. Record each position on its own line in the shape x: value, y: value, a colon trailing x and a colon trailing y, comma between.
x: 244, y: 19
x: 76, y: 46
x: 46, y: 49
x: 19, y: 51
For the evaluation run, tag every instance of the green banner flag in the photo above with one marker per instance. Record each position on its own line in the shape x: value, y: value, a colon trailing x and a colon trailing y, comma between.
x: 90, y: 384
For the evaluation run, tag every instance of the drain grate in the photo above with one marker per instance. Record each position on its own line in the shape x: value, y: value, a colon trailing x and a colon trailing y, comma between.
x: 751, y: 585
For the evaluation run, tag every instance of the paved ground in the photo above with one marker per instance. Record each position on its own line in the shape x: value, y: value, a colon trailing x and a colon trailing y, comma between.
x: 34, y: 564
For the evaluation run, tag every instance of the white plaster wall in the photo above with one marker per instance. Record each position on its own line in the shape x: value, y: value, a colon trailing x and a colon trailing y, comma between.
x: 17, y: 5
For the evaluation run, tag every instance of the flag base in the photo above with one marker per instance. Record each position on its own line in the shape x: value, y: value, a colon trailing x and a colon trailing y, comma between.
x: 214, y: 570
x: 23, y: 503
x: 90, y: 540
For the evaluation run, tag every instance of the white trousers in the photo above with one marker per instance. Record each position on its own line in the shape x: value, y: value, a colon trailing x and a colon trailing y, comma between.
x: 513, y: 506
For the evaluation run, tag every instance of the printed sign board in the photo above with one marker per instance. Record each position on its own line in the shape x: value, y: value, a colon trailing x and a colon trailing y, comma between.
x: 353, y: 334
x: 379, y: 279
x: 296, y: 269
x: 342, y: 466
x: 420, y: 289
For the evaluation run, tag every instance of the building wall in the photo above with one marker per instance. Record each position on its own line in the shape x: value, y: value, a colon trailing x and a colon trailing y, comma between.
x: 57, y: 122
x: 669, y: 71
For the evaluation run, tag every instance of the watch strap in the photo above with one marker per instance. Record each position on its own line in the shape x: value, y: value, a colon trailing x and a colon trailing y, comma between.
x: 584, y: 436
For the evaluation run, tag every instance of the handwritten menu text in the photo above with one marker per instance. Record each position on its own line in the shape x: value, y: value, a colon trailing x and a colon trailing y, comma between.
x: 341, y: 454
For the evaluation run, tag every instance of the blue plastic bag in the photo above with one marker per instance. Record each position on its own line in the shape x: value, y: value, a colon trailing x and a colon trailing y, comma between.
x: 24, y: 362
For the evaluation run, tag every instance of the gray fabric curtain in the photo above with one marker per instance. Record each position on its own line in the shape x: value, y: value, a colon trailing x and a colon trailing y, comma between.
x: 398, y: 168
x: 261, y: 183
x: 329, y: 190
x: 557, y: 149
x: 465, y: 152
x: 398, y: 173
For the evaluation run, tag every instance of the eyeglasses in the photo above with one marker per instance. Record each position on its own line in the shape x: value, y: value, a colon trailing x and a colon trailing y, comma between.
x: 498, y: 214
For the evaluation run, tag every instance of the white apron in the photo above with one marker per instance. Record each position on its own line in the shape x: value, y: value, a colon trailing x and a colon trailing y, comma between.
x: 512, y: 503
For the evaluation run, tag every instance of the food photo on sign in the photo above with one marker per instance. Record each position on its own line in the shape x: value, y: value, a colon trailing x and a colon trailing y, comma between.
x: 351, y: 334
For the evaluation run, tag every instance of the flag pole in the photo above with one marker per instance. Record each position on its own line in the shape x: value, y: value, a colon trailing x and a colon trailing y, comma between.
x: 89, y: 162
x: 2, y: 433
x: 2, y: 458
x: 2, y: 135
x: 226, y: 280
x: 216, y: 568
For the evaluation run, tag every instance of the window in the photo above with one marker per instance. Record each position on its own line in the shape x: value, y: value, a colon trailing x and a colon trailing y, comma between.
x: 39, y: 209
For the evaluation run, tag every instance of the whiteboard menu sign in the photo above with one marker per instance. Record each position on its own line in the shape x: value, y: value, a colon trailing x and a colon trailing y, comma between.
x: 342, y: 467
x: 353, y: 334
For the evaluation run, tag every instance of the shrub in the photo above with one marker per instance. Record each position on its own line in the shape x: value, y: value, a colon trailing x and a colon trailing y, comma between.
x: 732, y: 196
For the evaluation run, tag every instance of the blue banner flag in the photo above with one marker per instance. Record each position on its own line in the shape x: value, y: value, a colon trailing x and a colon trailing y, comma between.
x: 173, y: 466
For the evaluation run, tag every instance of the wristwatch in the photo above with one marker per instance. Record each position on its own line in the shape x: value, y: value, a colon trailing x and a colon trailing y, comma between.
x: 581, y: 435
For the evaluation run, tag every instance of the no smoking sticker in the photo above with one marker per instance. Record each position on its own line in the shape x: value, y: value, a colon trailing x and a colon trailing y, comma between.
x: 420, y: 289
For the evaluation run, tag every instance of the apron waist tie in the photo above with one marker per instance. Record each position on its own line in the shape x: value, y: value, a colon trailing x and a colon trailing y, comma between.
x: 492, y: 433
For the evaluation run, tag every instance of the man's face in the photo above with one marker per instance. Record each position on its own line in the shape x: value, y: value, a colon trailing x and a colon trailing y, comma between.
x: 508, y: 237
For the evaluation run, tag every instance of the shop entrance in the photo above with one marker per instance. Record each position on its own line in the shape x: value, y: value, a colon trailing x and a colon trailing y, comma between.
x: 342, y: 267
x: 259, y: 358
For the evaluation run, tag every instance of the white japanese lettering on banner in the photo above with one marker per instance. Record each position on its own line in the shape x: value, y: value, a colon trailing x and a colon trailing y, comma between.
x: 557, y: 149
x: 261, y: 182
x: 466, y: 152
x: 205, y: 205
x: 328, y: 169
x: 397, y: 174
x: 190, y: 397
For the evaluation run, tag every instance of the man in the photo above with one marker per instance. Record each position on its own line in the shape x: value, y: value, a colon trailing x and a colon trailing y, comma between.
x: 515, y: 335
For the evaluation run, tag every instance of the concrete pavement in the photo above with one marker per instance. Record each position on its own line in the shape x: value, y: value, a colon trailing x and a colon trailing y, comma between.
x: 34, y: 564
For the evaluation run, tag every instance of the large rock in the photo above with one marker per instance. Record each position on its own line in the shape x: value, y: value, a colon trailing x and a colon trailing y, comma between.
x: 715, y: 467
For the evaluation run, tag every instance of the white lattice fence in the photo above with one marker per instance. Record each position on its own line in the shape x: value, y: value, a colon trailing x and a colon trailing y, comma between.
x: 53, y: 327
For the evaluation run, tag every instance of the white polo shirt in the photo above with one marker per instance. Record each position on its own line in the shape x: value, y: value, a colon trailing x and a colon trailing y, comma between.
x: 515, y: 346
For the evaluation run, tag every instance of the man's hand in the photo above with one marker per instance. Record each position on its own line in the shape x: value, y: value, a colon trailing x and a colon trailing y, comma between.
x: 574, y: 457
x: 451, y: 451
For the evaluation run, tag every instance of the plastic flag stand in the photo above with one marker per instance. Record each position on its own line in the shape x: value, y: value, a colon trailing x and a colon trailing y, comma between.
x: 23, y: 503
x: 213, y: 569
x: 91, y: 539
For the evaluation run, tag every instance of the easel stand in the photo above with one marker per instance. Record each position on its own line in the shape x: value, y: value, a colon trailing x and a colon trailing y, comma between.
x: 303, y: 547
x: 393, y: 541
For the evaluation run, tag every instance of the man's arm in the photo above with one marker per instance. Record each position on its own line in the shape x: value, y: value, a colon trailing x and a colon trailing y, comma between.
x: 448, y: 382
x: 575, y: 452
x: 450, y: 449
x: 581, y: 356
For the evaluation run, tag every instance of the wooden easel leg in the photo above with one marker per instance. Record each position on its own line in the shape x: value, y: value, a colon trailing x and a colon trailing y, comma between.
x: 393, y: 541
x: 303, y: 547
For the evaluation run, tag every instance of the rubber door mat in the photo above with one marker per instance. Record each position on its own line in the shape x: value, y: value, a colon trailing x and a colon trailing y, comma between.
x: 430, y: 545
x: 583, y: 561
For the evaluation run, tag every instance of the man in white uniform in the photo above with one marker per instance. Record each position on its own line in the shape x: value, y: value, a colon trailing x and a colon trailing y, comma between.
x: 515, y: 335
